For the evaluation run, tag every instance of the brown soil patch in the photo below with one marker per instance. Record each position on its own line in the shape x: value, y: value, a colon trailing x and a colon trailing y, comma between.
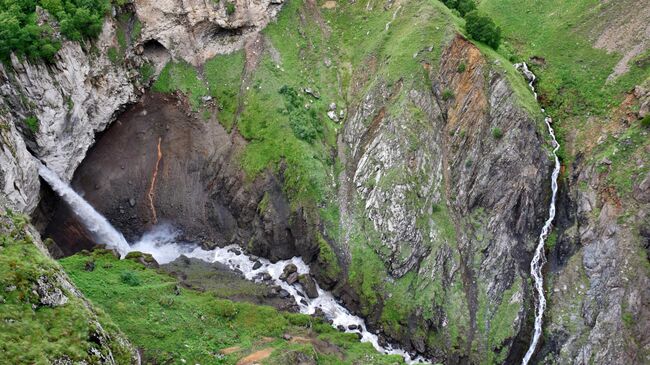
x: 229, y: 350
x: 256, y: 356
x: 329, y: 5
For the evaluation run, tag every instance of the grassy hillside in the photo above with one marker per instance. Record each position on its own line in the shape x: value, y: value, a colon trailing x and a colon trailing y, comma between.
x: 173, y: 324
x: 577, y: 83
x: 36, y: 330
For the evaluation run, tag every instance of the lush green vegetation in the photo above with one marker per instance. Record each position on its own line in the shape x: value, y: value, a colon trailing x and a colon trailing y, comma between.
x: 482, y: 28
x: 172, y: 323
x: 497, y: 133
x: 21, y: 33
x: 462, y: 6
x: 181, y: 76
x: 574, y: 80
x: 479, y: 27
x: 30, y: 332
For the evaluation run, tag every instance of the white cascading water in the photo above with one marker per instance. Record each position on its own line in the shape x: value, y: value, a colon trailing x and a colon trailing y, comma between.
x: 95, y: 223
x: 163, y: 244
x: 539, y: 258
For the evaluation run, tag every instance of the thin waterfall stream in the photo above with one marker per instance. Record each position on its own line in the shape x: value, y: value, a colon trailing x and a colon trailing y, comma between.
x: 539, y: 259
x: 163, y: 243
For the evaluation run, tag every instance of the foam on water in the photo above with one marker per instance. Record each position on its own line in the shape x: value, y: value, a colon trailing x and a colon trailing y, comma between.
x: 163, y: 243
x: 95, y: 223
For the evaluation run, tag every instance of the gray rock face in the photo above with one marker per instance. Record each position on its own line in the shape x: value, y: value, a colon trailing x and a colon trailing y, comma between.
x: 49, y: 295
x: 73, y: 99
x: 600, y: 287
x: 447, y: 200
x: 197, y: 30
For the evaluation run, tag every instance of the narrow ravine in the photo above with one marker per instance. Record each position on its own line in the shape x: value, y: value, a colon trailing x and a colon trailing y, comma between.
x: 163, y: 243
x: 539, y: 259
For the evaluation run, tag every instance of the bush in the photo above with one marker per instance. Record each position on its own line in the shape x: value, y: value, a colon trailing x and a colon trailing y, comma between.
x: 462, y: 6
x: 645, y: 122
x: 32, y: 123
x: 304, y: 122
x: 497, y: 133
x: 461, y: 67
x: 447, y: 94
x: 481, y: 28
x: 21, y: 33
x: 230, y: 8
x: 130, y: 278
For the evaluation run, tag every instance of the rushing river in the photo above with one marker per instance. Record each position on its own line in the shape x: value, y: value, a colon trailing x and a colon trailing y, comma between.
x: 162, y: 242
x: 539, y: 259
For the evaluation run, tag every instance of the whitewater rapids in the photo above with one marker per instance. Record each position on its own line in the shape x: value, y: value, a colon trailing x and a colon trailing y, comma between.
x: 163, y: 243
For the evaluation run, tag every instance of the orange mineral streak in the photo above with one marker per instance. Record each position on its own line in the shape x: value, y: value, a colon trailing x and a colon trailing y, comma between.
x: 152, y: 193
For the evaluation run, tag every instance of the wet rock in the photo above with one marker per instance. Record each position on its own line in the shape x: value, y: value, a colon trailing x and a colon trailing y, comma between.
x: 309, y: 284
x: 257, y: 265
x: 236, y: 251
x: 283, y: 294
x: 264, y: 276
x: 318, y: 313
x: 292, y: 278
x: 353, y: 327
x: 288, y: 270
x: 340, y: 328
x: 303, y: 302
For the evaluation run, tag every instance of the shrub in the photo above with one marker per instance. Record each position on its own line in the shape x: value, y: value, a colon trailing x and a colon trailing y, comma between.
x: 230, y: 8
x: 497, y: 133
x: 447, y: 94
x: 130, y: 278
x: 304, y: 122
x: 21, y: 33
x: 32, y: 123
x: 462, y: 6
x: 461, y: 67
x: 645, y: 122
x: 481, y: 28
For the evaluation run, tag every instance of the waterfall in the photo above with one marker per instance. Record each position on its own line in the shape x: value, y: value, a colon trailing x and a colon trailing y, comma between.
x: 102, y: 231
x: 539, y: 259
x: 162, y: 242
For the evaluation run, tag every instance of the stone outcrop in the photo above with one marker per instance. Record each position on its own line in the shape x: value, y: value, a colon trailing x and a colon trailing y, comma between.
x: 197, y: 30
x: 71, y: 99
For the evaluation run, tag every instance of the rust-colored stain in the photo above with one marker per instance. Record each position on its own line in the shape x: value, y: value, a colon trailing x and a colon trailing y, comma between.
x: 152, y: 193
x: 469, y: 104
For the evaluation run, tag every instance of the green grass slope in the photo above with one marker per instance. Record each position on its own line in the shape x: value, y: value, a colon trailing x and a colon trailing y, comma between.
x: 173, y: 324
x: 35, y: 333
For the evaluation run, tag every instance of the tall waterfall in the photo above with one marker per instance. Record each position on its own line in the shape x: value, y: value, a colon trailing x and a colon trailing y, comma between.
x: 539, y: 258
x: 163, y: 244
x: 102, y: 231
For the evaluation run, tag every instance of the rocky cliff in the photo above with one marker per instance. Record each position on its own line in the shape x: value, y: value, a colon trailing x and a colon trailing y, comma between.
x: 406, y: 164
x: 448, y: 204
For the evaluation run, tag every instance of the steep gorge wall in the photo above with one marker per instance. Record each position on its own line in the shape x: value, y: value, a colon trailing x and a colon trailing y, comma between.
x: 449, y: 206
